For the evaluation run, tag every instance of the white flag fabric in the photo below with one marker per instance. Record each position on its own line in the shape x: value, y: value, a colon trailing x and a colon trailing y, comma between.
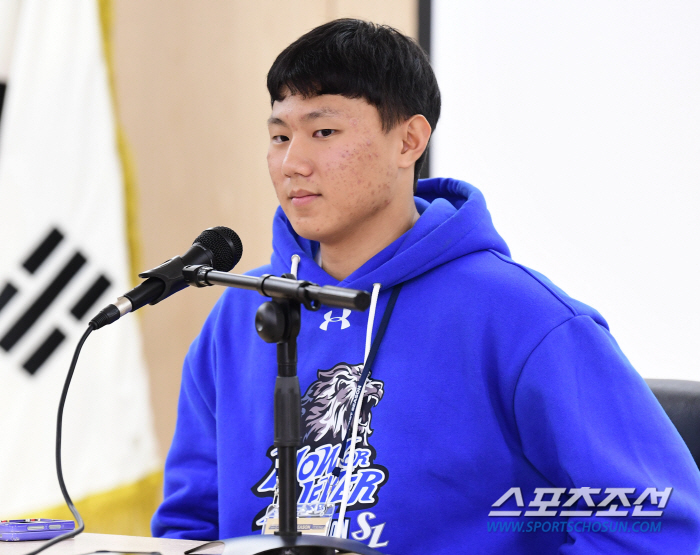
x: 63, y: 257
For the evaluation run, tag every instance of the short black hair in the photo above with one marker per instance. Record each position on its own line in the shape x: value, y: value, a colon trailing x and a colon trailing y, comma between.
x: 359, y: 59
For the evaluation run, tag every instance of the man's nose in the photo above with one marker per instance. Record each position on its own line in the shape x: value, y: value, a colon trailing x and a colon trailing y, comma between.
x: 296, y: 159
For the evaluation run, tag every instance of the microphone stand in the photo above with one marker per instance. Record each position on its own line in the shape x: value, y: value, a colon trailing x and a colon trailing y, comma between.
x: 279, y: 321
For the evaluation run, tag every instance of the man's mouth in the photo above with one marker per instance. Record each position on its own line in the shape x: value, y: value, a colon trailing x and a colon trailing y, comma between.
x: 302, y: 197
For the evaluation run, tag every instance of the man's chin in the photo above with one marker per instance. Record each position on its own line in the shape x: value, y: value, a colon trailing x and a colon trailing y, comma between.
x: 312, y: 229
x: 308, y: 232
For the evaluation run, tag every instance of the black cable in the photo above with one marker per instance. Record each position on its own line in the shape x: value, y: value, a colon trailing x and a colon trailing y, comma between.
x: 59, y: 468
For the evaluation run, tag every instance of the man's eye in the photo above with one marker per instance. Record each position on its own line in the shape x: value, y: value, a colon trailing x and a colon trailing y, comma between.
x: 324, y: 132
x: 279, y: 138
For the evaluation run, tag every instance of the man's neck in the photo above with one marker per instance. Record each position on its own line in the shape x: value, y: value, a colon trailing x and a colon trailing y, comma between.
x: 341, y: 258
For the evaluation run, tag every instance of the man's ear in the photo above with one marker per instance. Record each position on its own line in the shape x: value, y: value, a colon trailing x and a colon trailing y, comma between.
x: 416, y: 134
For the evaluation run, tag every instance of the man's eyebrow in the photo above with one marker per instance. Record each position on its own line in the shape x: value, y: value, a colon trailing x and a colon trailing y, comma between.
x: 276, y: 121
x: 321, y: 113
x: 316, y: 114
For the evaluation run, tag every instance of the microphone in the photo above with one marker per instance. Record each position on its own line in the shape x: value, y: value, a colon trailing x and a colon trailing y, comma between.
x: 218, y: 247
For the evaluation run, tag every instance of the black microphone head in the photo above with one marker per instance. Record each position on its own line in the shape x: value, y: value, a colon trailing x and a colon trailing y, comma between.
x: 224, y: 244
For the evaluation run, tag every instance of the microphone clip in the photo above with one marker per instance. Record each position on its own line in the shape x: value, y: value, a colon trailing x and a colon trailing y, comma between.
x: 197, y: 275
x: 169, y: 273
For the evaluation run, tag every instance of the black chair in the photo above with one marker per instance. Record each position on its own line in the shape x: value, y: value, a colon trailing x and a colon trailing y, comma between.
x: 681, y: 401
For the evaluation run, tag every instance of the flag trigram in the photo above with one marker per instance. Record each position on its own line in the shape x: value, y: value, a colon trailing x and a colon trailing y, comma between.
x: 3, y: 86
x: 38, y: 307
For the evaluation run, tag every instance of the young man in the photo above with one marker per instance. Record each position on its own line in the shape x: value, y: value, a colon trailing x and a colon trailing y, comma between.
x: 500, y: 415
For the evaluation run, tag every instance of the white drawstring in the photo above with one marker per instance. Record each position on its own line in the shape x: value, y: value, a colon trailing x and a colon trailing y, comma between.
x: 295, y: 265
x: 370, y: 318
x: 339, y: 528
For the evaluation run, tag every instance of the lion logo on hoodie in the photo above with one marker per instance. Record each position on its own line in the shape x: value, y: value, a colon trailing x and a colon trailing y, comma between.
x: 325, y: 407
x: 325, y: 415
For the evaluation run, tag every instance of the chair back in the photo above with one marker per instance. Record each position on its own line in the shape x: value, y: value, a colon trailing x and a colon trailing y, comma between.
x: 681, y: 401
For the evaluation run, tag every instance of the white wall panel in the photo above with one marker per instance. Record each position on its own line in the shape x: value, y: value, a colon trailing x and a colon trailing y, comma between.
x: 580, y: 122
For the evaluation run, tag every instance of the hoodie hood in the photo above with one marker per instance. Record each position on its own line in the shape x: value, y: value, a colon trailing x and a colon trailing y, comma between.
x: 454, y: 222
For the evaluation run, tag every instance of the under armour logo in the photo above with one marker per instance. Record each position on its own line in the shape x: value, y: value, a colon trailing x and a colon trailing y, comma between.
x: 328, y: 317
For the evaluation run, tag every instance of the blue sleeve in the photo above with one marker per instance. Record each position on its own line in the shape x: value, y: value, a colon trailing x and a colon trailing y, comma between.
x: 190, y: 505
x: 587, y: 419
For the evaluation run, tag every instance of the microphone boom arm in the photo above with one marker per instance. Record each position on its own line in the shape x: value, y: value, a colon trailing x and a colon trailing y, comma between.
x: 311, y: 295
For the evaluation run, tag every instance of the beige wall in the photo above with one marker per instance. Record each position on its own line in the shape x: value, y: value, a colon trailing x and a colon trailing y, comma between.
x: 190, y: 82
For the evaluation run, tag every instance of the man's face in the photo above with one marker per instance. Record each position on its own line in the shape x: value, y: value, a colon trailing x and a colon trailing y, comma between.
x: 334, y: 169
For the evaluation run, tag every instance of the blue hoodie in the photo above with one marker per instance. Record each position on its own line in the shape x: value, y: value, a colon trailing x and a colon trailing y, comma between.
x: 493, y: 391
